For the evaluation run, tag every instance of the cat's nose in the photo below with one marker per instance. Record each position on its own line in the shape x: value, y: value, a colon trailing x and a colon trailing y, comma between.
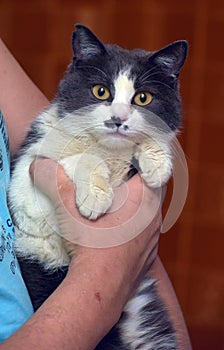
x: 113, y: 121
x: 117, y: 121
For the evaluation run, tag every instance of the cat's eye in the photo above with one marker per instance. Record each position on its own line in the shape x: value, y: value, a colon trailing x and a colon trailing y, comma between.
x: 142, y: 98
x: 101, y: 92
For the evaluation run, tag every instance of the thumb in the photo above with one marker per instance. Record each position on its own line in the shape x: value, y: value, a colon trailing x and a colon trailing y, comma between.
x: 49, y: 177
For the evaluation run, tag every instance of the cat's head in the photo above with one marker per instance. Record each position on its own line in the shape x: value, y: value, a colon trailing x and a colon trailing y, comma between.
x: 124, y: 91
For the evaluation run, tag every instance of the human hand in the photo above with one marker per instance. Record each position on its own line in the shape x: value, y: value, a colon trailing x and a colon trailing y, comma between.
x: 121, y: 265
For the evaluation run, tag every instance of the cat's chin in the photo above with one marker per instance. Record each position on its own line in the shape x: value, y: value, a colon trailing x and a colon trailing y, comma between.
x: 117, y: 135
x: 120, y: 134
x: 116, y: 141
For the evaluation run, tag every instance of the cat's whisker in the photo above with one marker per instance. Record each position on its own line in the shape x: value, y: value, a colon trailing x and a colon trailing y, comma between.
x: 162, y: 83
x: 94, y: 67
x: 148, y: 78
x: 149, y: 73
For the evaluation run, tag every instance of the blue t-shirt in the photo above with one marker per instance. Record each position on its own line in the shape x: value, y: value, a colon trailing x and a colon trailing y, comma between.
x: 15, y: 304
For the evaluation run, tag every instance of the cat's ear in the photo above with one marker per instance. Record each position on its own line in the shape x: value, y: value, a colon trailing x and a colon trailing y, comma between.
x: 85, y: 44
x: 172, y: 57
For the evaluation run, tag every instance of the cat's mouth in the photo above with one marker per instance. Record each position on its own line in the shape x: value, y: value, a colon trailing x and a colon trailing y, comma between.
x: 116, y: 127
x: 118, y: 132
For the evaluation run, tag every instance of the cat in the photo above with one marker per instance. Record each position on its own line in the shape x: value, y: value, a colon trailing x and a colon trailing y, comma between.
x: 111, y: 103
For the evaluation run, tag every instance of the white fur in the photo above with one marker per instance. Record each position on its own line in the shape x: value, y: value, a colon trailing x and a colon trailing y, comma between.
x: 132, y: 334
x: 124, y: 89
x: 93, y: 156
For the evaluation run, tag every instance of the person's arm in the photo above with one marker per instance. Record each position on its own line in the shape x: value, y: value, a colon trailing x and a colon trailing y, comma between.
x: 20, y: 99
x: 126, y: 263
x: 99, y: 282
x: 61, y: 191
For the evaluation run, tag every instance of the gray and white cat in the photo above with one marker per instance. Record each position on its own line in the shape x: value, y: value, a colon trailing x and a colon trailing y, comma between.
x: 113, y: 107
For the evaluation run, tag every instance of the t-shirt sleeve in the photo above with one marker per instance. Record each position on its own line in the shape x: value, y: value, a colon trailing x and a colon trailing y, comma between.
x: 15, y: 304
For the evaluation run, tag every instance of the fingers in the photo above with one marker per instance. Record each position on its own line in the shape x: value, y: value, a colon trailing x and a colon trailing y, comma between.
x: 50, y: 178
x: 134, y: 208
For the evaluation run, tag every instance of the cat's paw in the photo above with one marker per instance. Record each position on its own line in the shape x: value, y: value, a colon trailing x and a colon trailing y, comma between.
x: 155, y: 171
x: 94, y: 199
x: 91, y: 176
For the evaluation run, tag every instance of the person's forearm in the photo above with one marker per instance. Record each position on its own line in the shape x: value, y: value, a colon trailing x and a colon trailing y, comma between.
x: 20, y: 99
x: 65, y: 322
x: 77, y: 323
x: 168, y: 295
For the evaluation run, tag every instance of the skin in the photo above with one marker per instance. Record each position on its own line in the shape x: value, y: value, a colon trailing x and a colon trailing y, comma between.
x: 83, y: 308
x: 17, y: 87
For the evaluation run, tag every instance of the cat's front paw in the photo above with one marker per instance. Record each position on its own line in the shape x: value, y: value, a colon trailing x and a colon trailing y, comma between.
x: 91, y: 176
x: 93, y: 200
x: 155, y: 172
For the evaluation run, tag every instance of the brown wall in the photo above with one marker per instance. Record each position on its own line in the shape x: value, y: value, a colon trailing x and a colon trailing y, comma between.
x: 38, y: 32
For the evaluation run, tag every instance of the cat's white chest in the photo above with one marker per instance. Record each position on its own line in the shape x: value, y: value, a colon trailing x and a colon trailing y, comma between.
x: 94, y: 160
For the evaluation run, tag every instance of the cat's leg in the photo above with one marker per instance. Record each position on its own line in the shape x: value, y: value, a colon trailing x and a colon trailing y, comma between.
x: 155, y: 163
x: 91, y: 176
x: 145, y: 323
x: 40, y: 281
